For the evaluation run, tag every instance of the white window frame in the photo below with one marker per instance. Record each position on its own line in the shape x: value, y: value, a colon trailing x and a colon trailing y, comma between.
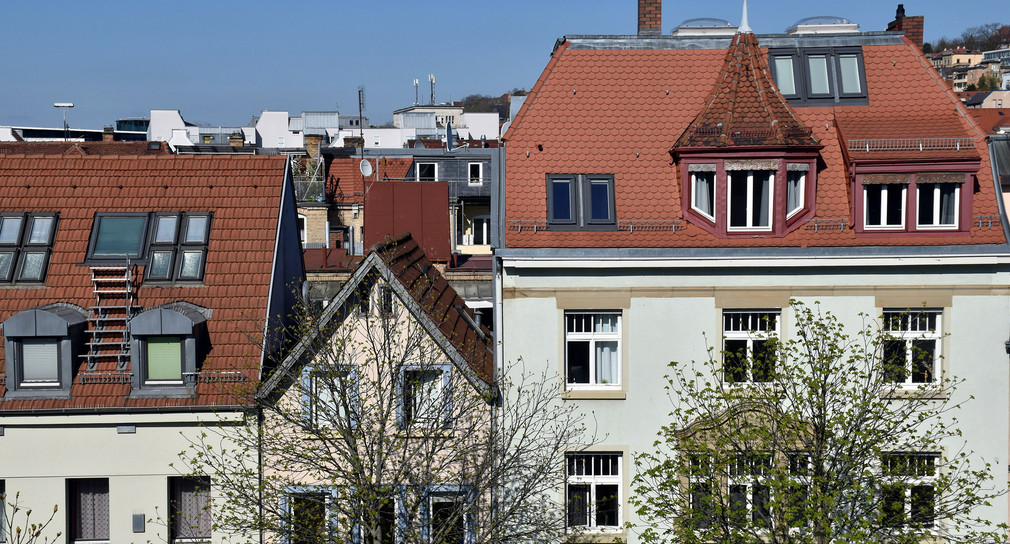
x: 800, y: 191
x: 417, y: 170
x: 441, y: 408
x: 695, y: 193
x: 936, y: 188
x: 451, y: 494
x: 592, y: 337
x: 303, y: 231
x: 911, y: 326
x: 923, y: 475
x: 21, y: 361
x: 315, y: 395
x: 743, y: 473
x: 329, y: 495
x: 749, y: 226
x: 597, y: 475
x: 885, y: 195
x: 471, y: 181
x: 747, y: 326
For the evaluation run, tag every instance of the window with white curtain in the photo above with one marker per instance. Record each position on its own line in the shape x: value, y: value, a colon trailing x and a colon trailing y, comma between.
x: 750, y: 199
x: 593, y: 349
x: 89, y: 509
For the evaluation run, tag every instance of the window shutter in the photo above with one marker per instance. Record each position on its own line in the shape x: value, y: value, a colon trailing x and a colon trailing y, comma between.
x: 40, y: 360
x: 164, y: 358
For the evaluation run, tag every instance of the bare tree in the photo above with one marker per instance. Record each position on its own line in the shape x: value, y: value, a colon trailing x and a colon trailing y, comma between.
x: 826, y: 447
x: 378, y: 429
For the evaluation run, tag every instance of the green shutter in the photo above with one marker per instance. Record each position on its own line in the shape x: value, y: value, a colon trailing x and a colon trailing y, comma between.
x: 164, y: 358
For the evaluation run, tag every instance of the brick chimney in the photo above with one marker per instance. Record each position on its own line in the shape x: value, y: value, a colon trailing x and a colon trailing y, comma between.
x: 650, y: 17
x: 108, y: 135
x: 911, y: 26
x: 236, y: 139
x: 312, y: 143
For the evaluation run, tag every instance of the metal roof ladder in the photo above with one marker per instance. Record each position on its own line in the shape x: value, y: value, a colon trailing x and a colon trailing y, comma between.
x: 114, y: 306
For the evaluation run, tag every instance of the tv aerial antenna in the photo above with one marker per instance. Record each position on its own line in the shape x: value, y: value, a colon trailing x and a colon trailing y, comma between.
x: 416, y: 82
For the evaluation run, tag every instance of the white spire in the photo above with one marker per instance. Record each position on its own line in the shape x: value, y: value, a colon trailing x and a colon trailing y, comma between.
x: 744, y: 25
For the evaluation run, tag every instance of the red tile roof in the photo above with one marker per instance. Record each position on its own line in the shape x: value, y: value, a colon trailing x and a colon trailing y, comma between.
x: 244, y: 195
x: 82, y: 148
x: 992, y: 120
x: 745, y: 107
x: 422, y: 280
x: 346, y: 183
x: 612, y: 110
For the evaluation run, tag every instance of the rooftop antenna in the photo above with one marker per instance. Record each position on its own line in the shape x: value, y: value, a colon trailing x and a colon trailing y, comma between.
x: 361, y: 106
x: 431, y: 79
x: 744, y: 24
x: 66, y: 128
x: 416, y: 82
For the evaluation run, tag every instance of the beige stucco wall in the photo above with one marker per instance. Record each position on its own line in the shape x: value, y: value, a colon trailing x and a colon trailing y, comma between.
x: 38, y: 454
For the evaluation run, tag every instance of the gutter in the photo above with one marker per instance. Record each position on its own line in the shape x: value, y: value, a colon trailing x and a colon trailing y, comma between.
x: 4, y: 412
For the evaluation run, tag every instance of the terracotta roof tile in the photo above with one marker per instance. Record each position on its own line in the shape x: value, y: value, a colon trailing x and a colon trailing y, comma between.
x: 584, y: 115
x: 439, y: 300
x: 237, y: 279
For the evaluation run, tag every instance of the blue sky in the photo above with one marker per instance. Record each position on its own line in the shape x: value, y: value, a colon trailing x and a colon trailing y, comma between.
x: 220, y: 63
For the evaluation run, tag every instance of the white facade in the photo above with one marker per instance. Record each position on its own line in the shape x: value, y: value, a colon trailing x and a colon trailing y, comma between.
x: 136, y: 454
x: 670, y: 309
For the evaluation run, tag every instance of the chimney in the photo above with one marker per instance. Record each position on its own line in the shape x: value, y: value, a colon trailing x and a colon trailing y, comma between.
x: 236, y: 139
x: 312, y: 143
x: 108, y: 135
x: 911, y: 26
x: 650, y: 17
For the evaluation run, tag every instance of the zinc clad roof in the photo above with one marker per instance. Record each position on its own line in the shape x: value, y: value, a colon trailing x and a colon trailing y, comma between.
x: 618, y: 111
x: 242, y: 192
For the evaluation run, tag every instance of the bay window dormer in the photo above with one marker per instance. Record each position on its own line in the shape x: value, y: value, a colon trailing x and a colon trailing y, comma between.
x: 732, y: 195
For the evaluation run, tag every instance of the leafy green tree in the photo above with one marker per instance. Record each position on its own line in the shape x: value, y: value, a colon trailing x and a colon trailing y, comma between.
x: 829, y: 449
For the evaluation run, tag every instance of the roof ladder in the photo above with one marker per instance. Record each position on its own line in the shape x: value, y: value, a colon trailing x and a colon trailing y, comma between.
x: 114, y: 306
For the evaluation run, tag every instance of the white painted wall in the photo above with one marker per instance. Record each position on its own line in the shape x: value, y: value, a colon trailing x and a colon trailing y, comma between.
x: 163, y: 122
x: 39, y: 453
x: 674, y: 314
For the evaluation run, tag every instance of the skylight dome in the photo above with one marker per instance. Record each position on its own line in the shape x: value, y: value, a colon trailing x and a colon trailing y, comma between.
x: 705, y: 26
x: 823, y: 24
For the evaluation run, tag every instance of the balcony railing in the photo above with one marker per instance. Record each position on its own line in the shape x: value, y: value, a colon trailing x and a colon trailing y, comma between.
x: 310, y: 179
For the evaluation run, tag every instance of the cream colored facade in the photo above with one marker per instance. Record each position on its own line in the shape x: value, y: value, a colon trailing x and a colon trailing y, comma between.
x: 138, y: 454
x: 671, y: 309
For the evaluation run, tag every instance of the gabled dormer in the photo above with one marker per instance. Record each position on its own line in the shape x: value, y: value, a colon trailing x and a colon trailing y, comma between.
x: 746, y: 163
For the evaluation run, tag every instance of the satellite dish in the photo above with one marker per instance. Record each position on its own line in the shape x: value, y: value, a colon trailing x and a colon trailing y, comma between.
x: 366, y: 167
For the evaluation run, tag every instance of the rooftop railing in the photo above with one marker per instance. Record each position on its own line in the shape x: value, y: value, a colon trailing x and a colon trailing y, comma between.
x: 910, y: 144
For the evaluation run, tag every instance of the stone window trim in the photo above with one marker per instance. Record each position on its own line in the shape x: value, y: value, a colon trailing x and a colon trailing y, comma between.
x: 409, y: 408
x: 61, y: 322
x: 182, y: 320
x: 315, y: 394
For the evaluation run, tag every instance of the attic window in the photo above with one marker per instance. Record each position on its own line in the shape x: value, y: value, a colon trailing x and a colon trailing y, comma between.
x: 744, y: 196
x: 25, y: 246
x: 820, y: 76
x: 172, y: 245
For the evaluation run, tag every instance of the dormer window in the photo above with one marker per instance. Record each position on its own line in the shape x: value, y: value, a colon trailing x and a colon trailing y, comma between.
x: 746, y: 196
x: 819, y: 76
x: 166, y: 345
x: 927, y: 201
x: 42, y: 345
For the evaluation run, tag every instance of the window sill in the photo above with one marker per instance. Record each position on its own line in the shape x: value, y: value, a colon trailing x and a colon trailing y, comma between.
x: 37, y: 393
x: 922, y: 391
x: 593, y: 534
x: 166, y: 391
x: 613, y: 393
